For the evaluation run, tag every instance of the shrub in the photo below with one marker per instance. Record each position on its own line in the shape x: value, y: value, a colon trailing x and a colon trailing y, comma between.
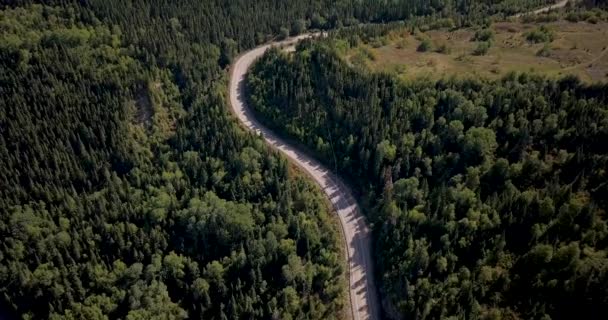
x: 483, y: 35
x: 425, y: 45
x: 482, y: 48
x: 545, y: 51
x: 584, y: 15
x: 538, y: 35
x: 592, y: 19
x: 368, y: 53
x: 400, y: 68
x: 442, y: 23
x: 297, y: 27
x: 548, y: 17
x: 401, y: 44
x: 378, y: 42
x: 283, y: 33
x: 573, y: 17
x: 317, y: 21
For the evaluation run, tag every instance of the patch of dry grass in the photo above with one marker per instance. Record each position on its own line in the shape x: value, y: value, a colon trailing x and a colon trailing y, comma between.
x: 578, y: 48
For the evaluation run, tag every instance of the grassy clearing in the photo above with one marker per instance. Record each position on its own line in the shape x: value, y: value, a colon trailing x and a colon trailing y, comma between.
x: 576, y: 48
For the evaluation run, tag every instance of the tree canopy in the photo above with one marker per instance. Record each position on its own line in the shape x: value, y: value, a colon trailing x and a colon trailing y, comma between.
x: 127, y: 190
x: 488, y: 197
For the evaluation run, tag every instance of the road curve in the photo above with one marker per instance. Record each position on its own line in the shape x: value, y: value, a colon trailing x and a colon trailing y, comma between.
x: 557, y: 5
x: 362, y: 291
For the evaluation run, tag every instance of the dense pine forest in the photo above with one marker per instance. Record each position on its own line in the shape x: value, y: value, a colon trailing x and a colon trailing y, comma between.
x: 120, y: 199
x: 488, y: 198
x: 128, y: 191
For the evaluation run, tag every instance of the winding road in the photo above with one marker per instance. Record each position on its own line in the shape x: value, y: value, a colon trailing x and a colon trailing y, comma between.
x: 362, y: 291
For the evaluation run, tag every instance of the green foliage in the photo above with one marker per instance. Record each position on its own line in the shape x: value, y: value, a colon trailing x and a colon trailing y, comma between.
x: 483, y: 35
x: 283, y: 33
x: 443, y: 23
x: 591, y: 15
x: 425, y: 45
x: 127, y: 189
x: 487, y: 197
x: 297, y: 27
x: 479, y: 143
x: 482, y: 48
x: 317, y: 21
x: 228, y: 51
x: 539, y: 35
x: 545, y: 51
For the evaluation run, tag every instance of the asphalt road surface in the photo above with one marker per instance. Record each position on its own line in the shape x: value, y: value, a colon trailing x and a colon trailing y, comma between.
x: 363, y: 293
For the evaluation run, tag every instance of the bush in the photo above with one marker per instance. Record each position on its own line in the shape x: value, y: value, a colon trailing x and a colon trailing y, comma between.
x: 592, y: 19
x: 482, y: 48
x: 425, y: 45
x: 592, y: 16
x: 283, y: 33
x: 317, y: 21
x: 401, y: 44
x: 573, y: 17
x: 442, y: 23
x: 369, y: 53
x: 540, y: 18
x: 542, y: 34
x: 297, y: 27
x: 584, y: 15
x: 378, y: 42
x: 483, y: 35
x: 545, y: 51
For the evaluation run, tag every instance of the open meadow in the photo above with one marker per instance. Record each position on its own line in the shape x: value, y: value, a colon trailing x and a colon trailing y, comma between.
x: 570, y: 48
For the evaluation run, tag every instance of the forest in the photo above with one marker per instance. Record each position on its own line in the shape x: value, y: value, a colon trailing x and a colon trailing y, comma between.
x: 128, y: 191
x: 488, y: 197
